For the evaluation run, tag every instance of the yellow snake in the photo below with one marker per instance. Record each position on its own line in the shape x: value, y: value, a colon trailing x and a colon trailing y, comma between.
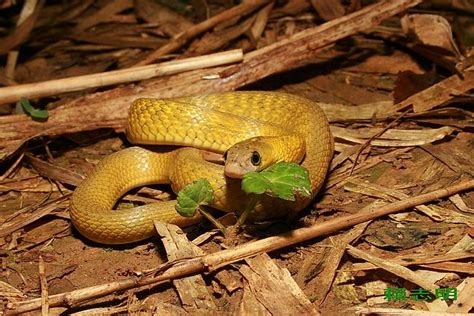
x: 230, y: 123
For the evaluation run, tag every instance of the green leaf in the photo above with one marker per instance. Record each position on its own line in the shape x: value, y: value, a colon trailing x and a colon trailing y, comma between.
x: 192, y: 196
x: 31, y: 111
x: 282, y: 180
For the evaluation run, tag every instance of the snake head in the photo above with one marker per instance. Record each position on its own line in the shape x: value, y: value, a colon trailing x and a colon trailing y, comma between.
x: 253, y: 154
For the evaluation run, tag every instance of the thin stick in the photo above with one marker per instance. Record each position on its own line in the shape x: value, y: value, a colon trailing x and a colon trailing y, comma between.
x: 44, y: 288
x: 367, y: 143
x: 222, y: 258
x: 54, y: 87
x: 183, y: 38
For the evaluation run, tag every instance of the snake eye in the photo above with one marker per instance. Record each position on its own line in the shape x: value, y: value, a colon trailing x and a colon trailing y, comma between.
x: 255, y: 159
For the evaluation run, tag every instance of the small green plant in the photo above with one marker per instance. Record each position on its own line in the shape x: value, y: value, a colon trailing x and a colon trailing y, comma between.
x: 36, y: 114
x: 194, y: 197
x: 284, y: 180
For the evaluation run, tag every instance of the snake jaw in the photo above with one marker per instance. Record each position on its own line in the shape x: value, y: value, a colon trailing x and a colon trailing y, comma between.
x: 233, y: 170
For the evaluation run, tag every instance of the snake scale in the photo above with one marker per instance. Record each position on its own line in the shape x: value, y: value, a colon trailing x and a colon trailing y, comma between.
x: 214, y: 122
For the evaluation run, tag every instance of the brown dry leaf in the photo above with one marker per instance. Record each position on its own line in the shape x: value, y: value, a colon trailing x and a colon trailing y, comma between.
x: 348, y: 113
x: 431, y: 30
x: 409, y: 83
x: 440, y: 93
x: 328, y: 9
x: 215, y: 40
x: 292, y: 7
x: 168, y: 21
x: 103, y: 15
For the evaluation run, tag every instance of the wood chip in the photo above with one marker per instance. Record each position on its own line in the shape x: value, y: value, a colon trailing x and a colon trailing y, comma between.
x: 192, y: 290
x: 465, y: 300
x: 274, y: 287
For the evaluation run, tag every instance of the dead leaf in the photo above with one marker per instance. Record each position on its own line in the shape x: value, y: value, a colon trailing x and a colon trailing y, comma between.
x: 431, y: 30
x: 169, y: 21
x: 328, y: 9
x: 409, y: 83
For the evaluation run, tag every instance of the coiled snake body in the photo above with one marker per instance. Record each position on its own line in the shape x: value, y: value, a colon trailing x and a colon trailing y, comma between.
x: 213, y: 122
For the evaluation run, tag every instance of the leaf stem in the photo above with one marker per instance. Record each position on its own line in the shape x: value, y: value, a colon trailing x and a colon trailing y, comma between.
x: 254, y: 198
x: 211, y: 218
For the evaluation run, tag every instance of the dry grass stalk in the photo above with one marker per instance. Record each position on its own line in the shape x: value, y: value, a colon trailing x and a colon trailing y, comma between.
x: 54, y: 87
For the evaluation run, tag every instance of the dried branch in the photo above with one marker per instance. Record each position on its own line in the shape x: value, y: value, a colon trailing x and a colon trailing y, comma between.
x: 54, y: 87
x: 211, y: 262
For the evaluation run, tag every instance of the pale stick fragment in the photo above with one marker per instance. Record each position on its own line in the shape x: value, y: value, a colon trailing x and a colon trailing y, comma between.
x: 274, y: 287
x: 260, y: 22
x: 392, y: 267
x: 393, y: 137
x: 465, y: 244
x: 57, y: 86
x: 408, y: 260
x: 44, y: 288
x: 192, y: 290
